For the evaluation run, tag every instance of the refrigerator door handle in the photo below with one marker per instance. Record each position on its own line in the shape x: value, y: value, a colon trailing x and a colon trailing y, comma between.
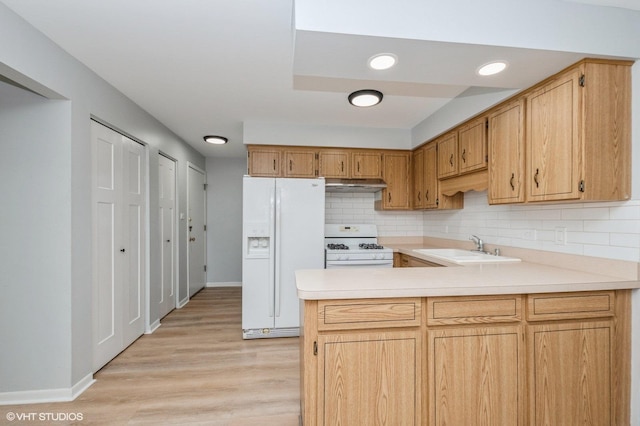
x: 277, y: 256
x: 272, y: 203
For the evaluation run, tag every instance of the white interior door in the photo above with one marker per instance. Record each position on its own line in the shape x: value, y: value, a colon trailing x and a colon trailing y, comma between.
x: 119, y: 205
x: 167, y: 175
x: 196, y: 227
x: 134, y: 237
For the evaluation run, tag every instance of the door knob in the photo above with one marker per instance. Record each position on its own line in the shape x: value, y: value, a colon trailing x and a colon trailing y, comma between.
x: 192, y: 239
x: 122, y: 250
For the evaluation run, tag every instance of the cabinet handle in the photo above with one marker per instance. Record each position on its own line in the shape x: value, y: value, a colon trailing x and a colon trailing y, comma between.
x: 290, y: 165
x: 274, y: 165
x: 535, y: 178
x: 464, y: 155
x: 426, y: 194
x: 358, y: 167
x: 342, y: 166
x: 511, y: 182
x: 389, y: 197
x: 451, y: 160
x: 419, y: 196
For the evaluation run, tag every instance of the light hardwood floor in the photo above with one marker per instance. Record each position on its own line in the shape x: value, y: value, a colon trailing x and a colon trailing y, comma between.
x: 193, y: 370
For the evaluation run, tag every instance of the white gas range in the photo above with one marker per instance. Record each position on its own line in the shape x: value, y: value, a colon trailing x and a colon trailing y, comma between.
x: 355, y: 245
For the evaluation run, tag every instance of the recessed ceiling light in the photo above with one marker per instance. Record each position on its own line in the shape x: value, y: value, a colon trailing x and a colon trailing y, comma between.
x: 492, y: 68
x: 382, y: 61
x: 216, y: 140
x: 365, y: 98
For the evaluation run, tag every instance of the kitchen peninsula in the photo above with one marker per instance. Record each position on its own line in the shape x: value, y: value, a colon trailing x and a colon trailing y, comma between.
x: 518, y: 343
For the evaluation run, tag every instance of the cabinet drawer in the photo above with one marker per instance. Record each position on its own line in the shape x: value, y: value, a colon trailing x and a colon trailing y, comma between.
x: 368, y: 313
x: 552, y: 306
x: 473, y: 310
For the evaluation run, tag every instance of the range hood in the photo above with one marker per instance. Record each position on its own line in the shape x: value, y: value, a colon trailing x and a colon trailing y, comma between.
x: 354, y: 185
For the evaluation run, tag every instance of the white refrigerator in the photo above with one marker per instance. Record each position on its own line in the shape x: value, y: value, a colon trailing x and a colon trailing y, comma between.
x: 282, y: 231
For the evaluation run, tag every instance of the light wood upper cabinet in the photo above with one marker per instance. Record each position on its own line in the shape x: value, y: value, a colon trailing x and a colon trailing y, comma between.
x: 553, y: 142
x: 447, y: 155
x: 578, y: 135
x: 397, y: 176
x: 431, y: 193
x: 463, y: 150
x: 472, y: 145
x: 300, y: 163
x: 366, y: 164
x: 426, y: 186
x: 334, y: 164
x: 417, y: 167
x: 264, y: 162
x: 506, y: 153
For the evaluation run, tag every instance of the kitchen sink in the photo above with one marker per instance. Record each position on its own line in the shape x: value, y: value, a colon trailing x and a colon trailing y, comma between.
x: 464, y: 257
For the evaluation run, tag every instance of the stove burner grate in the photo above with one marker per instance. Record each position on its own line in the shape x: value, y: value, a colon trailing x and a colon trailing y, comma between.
x: 370, y: 246
x: 337, y: 247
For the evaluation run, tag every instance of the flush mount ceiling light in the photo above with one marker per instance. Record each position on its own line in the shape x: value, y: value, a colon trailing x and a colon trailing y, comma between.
x: 216, y: 140
x: 365, y: 98
x: 491, y: 68
x: 382, y: 61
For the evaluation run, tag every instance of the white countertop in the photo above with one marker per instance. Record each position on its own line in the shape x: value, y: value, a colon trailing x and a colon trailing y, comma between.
x: 507, y: 278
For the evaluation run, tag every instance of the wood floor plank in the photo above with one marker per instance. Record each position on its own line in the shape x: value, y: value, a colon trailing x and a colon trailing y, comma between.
x: 194, y: 370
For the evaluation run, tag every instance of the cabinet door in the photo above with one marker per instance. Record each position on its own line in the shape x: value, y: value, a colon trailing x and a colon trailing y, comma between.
x: 407, y: 261
x: 506, y: 153
x: 333, y: 164
x: 369, y: 379
x: 418, y: 179
x: 264, y: 162
x: 396, y: 175
x: 448, y: 155
x: 300, y: 164
x: 553, y: 140
x: 570, y: 379
x: 475, y: 376
x: 472, y: 146
x: 367, y: 165
x: 430, y: 175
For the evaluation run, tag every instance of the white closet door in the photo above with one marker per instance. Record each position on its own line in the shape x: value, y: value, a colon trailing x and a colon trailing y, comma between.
x: 134, y: 236
x: 167, y: 176
x: 119, y: 204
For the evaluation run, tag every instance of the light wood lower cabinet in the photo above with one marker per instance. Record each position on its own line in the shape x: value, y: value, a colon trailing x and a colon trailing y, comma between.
x: 539, y: 359
x: 570, y: 374
x: 475, y: 376
x: 379, y: 371
x: 406, y: 261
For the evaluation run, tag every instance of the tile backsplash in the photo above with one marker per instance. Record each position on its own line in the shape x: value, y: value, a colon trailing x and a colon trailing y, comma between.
x: 609, y: 230
x: 358, y: 208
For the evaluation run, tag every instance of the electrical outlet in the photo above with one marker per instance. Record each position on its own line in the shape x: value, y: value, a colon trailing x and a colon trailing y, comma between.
x: 529, y: 234
x: 561, y: 236
x: 446, y: 229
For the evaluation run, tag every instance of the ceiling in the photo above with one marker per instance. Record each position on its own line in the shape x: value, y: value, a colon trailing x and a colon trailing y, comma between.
x: 212, y: 66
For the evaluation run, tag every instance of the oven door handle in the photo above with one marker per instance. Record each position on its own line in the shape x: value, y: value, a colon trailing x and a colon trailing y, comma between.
x: 359, y: 263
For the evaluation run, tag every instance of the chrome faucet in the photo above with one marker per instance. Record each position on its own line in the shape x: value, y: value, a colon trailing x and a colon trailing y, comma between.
x: 479, y: 243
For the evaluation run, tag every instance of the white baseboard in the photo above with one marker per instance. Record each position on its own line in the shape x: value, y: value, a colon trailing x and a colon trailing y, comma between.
x: 47, y: 395
x: 225, y: 284
x: 182, y: 303
x: 153, y: 327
